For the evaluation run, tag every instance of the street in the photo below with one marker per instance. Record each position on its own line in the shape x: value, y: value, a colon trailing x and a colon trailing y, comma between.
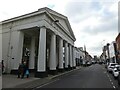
x: 94, y: 76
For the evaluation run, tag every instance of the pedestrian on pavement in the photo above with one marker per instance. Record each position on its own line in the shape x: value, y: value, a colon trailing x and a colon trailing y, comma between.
x: 24, y: 69
x: 20, y: 70
x: 27, y: 72
x: 3, y: 68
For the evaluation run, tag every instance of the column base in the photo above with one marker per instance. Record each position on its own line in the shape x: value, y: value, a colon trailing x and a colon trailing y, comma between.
x: 14, y: 71
x: 41, y: 74
x: 71, y: 68
x: 74, y: 67
x: 32, y: 70
x: 60, y: 70
x: 66, y: 69
x: 53, y: 72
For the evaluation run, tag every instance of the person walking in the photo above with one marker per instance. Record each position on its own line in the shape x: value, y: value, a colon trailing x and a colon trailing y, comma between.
x: 27, y: 72
x: 20, y: 70
x: 2, y: 66
x: 24, y: 69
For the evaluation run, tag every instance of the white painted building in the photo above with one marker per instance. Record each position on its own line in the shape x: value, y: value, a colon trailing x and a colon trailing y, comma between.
x: 38, y: 38
x: 79, y: 56
x: 112, y: 52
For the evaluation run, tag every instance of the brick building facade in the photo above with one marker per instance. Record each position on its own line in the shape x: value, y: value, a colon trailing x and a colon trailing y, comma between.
x: 118, y: 47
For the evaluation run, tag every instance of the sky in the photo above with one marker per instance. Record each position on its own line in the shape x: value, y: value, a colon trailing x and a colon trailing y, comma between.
x: 94, y: 22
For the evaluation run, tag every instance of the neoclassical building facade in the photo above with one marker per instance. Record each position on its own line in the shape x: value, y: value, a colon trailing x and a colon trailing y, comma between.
x: 44, y: 39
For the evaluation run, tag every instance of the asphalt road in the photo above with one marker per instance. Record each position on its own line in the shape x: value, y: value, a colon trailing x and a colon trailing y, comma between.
x: 94, y: 76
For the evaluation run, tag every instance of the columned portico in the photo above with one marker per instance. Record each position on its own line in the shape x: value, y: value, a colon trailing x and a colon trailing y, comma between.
x: 41, y: 64
x: 60, y: 54
x: 43, y: 39
x: 52, y: 61
x: 66, y: 55
x: 32, y: 54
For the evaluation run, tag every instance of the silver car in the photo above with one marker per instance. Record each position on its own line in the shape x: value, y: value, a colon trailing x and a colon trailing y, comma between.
x: 111, y: 67
x: 116, y: 71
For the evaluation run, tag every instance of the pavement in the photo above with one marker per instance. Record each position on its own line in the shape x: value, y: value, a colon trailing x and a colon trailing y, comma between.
x: 11, y: 81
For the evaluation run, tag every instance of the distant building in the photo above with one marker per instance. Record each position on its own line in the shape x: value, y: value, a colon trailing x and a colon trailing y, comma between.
x: 112, y: 50
x: 79, y: 56
x: 104, y: 53
x: 95, y: 58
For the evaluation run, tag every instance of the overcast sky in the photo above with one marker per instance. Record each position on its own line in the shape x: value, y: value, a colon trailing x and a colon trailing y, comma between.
x: 94, y: 22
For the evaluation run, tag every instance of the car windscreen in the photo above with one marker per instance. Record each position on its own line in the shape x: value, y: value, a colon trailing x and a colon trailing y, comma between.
x: 113, y: 64
x: 118, y: 68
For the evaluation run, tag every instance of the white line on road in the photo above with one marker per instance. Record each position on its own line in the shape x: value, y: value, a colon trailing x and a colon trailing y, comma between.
x: 111, y: 81
x: 47, y: 83
x: 114, y: 87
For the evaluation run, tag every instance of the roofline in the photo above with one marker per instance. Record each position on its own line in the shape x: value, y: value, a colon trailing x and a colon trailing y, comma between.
x: 39, y: 11
x: 118, y: 36
x: 23, y: 16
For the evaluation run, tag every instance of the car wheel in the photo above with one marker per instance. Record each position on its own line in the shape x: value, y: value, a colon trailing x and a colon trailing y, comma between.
x: 115, y: 77
x: 118, y: 80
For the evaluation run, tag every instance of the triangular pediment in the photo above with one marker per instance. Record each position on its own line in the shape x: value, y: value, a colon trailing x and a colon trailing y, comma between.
x: 63, y: 20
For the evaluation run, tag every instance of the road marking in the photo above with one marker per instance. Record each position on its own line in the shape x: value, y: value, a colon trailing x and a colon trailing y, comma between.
x: 111, y: 81
x: 114, y: 87
x: 47, y: 83
x: 104, y: 72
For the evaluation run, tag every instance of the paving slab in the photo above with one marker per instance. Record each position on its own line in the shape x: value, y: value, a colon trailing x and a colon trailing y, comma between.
x: 11, y: 81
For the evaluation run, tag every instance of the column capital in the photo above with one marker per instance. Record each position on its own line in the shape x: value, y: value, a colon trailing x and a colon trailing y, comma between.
x: 42, y: 27
x: 60, y: 37
x: 66, y: 41
x: 53, y: 33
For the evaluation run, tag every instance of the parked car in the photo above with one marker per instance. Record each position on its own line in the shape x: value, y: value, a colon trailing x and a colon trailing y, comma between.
x: 88, y: 63
x: 116, y: 71
x: 106, y: 65
x: 111, y: 66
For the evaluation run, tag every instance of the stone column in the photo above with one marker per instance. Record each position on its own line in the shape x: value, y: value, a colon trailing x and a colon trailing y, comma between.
x: 60, y: 54
x: 32, y: 54
x: 53, y: 54
x: 17, y: 50
x: 71, y: 65
x: 74, y: 63
x: 66, y: 55
x: 41, y: 64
